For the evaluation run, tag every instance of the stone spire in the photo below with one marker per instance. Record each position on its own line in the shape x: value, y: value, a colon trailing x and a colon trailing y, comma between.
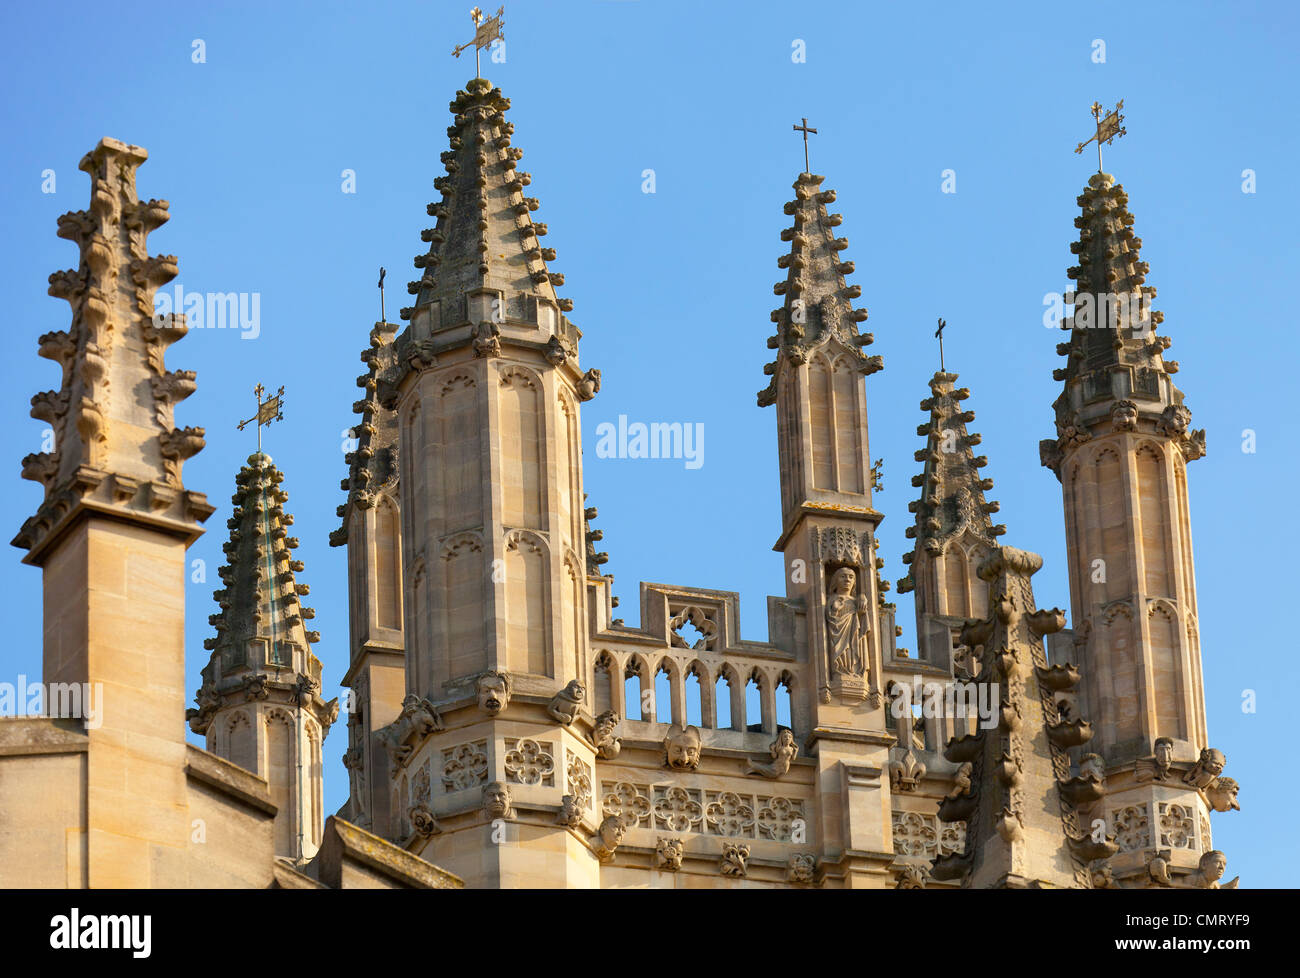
x: 116, y: 448
x: 1114, y: 358
x: 262, y: 667
x: 818, y: 303
x: 372, y: 465
x: 484, y: 238
x: 952, y: 503
x: 1013, y: 787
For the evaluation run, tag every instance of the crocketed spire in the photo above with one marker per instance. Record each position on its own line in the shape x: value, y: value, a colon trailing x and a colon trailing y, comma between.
x: 818, y: 304
x: 1114, y: 358
x: 262, y: 642
x: 485, y: 236
x: 952, y: 490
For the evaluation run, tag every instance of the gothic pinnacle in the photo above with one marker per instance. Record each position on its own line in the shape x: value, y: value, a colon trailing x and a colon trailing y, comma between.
x: 818, y: 308
x: 952, y: 491
x: 1115, y: 372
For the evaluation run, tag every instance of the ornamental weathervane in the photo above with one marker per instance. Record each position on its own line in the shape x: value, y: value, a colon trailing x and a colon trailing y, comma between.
x: 267, y: 411
x: 485, y: 32
x: 1108, y: 128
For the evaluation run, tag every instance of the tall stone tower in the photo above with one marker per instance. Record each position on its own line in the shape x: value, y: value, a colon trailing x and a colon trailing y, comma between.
x: 828, y: 521
x: 1121, y: 452
x: 484, y: 386
x: 372, y: 532
x: 111, y: 533
x: 260, y: 705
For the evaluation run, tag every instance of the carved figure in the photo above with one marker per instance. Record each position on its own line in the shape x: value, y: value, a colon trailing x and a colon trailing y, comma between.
x: 1207, y: 767
x: 1124, y: 416
x: 783, y: 750
x: 1213, y: 865
x: 682, y: 747
x: 801, y: 868
x: 607, y: 745
x: 497, y: 801
x: 418, y: 719
x: 493, y: 692
x: 566, y: 703
x: 609, y: 836
x: 1222, y: 795
x: 845, y: 616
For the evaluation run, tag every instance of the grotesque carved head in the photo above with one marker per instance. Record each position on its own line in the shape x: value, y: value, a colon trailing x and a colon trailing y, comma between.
x: 682, y: 747
x: 496, y: 800
x: 1213, y: 865
x: 574, y: 692
x: 1092, y: 766
x: 612, y: 830
x: 493, y: 692
x: 1164, y: 751
x: 1222, y: 795
x: 1212, y: 761
x: 1124, y: 416
x: 605, y: 724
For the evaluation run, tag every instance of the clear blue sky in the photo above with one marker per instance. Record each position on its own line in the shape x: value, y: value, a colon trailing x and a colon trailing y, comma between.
x: 673, y: 290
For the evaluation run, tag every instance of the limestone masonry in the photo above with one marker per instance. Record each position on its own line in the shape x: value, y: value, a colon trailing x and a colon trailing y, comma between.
x: 493, y: 736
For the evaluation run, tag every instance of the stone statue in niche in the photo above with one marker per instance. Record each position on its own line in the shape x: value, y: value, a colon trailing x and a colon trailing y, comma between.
x: 1212, y: 867
x: 1206, y: 769
x: 783, y: 750
x: 493, y: 692
x: 668, y: 855
x: 735, y: 859
x: 607, y: 745
x: 1222, y: 795
x: 609, y: 836
x: 570, y: 812
x: 496, y: 801
x: 566, y: 703
x: 846, y: 615
x: 682, y: 747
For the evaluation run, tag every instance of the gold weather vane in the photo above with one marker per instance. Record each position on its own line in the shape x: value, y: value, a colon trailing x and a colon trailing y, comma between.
x: 485, y: 32
x: 805, y: 130
x: 1108, y: 128
x: 267, y: 411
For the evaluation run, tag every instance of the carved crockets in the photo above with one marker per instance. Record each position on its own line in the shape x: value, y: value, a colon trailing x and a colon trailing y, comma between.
x: 682, y: 747
x: 493, y: 692
x: 783, y: 751
x: 567, y: 702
